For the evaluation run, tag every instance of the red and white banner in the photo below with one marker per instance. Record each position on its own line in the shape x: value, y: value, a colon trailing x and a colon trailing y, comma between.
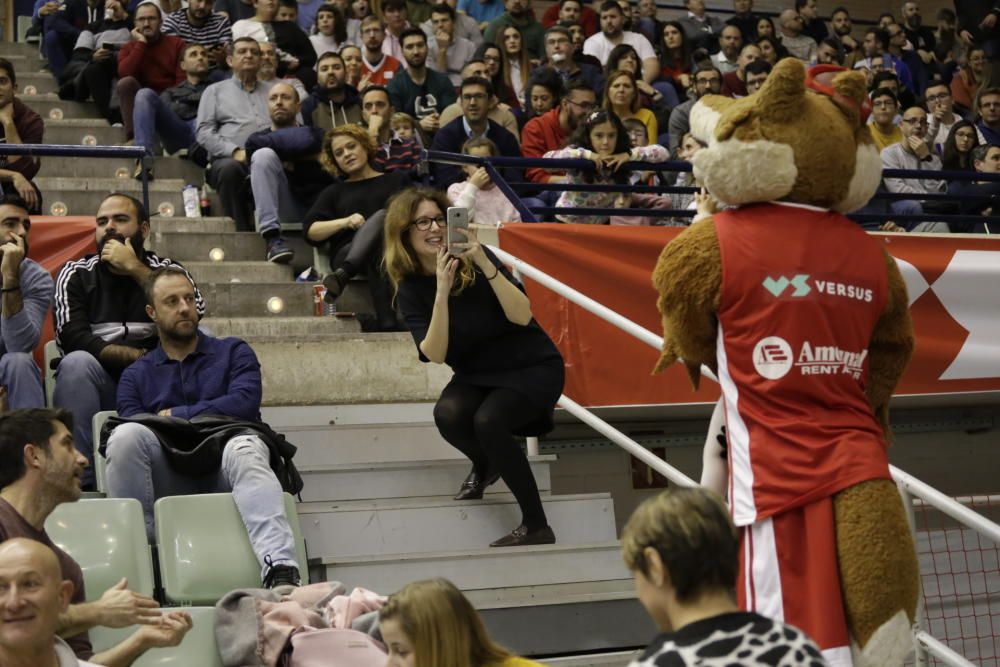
x: 953, y: 282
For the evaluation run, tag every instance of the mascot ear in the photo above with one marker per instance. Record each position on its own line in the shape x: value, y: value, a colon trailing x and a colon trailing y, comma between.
x: 846, y: 89
x: 782, y: 97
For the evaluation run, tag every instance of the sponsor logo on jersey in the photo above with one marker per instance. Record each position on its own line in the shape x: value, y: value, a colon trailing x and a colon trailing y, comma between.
x: 773, y: 358
x: 801, y: 284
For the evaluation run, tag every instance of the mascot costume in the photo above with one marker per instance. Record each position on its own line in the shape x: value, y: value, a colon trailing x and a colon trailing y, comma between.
x: 804, y: 319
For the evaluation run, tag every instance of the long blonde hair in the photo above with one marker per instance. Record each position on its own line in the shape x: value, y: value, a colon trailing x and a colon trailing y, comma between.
x: 400, y: 259
x: 442, y: 625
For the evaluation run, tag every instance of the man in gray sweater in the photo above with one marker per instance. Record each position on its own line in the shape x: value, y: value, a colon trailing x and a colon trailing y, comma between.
x: 913, y: 153
x: 229, y: 112
x: 25, y: 298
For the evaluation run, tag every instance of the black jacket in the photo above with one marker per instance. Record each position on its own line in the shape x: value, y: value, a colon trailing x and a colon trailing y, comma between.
x: 195, y: 447
x: 95, y: 308
x: 183, y: 98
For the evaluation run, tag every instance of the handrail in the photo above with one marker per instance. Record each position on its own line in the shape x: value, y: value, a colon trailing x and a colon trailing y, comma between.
x: 70, y: 150
x: 911, y: 485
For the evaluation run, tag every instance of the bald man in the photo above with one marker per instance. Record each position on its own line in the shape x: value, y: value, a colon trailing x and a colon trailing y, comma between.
x: 790, y: 27
x: 285, y: 173
x: 33, y: 595
x: 40, y: 468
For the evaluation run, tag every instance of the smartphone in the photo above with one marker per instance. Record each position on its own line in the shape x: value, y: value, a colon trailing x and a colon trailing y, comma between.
x: 458, y: 218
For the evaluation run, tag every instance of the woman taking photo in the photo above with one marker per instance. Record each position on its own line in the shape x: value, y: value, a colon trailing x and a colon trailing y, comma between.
x: 465, y: 310
x: 431, y: 624
x: 347, y: 217
x: 622, y: 97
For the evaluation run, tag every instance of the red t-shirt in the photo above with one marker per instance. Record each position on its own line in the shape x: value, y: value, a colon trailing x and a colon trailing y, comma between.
x: 802, y: 290
x: 382, y: 74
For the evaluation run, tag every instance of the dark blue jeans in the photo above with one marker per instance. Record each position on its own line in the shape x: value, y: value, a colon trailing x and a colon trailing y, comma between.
x: 151, y: 117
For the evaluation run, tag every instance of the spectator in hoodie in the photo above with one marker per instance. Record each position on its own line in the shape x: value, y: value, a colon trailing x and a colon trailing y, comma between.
x: 173, y: 113
x: 394, y: 153
x: 475, y: 96
x: 97, y: 49
x: 150, y: 60
x: 285, y: 174
x: 332, y: 102
x: 230, y: 111
x: 296, y: 55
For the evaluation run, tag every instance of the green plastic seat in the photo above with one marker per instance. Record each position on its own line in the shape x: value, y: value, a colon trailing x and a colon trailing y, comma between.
x: 107, y: 537
x: 204, y: 550
x: 197, y: 649
x: 50, y: 352
x: 100, y: 463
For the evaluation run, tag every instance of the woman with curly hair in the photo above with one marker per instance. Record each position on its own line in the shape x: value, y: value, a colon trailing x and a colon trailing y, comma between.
x: 331, y: 30
x: 464, y: 309
x: 431, y: 624
x: 347, y: 216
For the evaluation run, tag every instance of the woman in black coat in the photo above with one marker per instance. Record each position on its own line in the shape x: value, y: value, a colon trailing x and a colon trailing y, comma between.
x: 466, y: 310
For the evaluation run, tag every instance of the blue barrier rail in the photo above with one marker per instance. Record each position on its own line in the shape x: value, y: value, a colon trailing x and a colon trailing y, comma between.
x: 70, y: 150
x: 528, y: 214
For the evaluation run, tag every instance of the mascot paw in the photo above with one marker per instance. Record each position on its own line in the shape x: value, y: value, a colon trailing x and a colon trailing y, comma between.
x: 888, y: 646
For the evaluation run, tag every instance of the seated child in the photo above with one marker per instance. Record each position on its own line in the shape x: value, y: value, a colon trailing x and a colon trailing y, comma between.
x: 487, y: 204
x: 602, y: 139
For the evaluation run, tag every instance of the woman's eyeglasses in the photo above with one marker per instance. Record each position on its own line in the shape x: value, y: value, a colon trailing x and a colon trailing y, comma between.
x: 423, y: 224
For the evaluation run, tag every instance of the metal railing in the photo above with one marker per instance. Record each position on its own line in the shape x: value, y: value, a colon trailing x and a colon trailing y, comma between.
x: 513, y: 189
x: 71, y: 150
x: 910, y: 487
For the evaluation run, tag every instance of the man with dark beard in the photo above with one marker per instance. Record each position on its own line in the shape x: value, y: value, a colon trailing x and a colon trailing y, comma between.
x: 189, y: 375
x: 100, y: 315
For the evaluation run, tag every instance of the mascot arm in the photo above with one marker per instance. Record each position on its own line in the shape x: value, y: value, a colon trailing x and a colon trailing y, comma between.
x: 891, y: 345
x: 688, y: 277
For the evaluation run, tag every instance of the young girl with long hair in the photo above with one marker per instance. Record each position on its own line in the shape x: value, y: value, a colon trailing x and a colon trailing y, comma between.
x: 675, y: 56
x: 464, y: 309
x: 431, y: 624
x: 602, y: 139
x: 956, y: 154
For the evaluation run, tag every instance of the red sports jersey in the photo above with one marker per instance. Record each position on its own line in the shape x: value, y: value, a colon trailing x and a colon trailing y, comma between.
x: 802, y: 289
x: 382, y: 73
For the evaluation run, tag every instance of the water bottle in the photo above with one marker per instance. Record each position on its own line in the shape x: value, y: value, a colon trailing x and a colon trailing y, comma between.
x: 190, y: 196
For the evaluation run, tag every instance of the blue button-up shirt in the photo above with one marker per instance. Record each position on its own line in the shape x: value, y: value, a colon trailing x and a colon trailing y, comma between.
x: 221, y: 377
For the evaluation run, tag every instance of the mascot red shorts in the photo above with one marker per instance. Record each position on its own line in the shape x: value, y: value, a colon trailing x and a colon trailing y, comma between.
x: 788, y: 572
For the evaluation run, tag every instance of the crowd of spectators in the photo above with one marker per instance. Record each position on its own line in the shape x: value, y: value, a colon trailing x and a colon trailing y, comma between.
x: 197, y: 80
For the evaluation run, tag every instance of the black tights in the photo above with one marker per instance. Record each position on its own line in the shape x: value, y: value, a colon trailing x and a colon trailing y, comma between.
x: 479, y: 422
x: 364, y: 253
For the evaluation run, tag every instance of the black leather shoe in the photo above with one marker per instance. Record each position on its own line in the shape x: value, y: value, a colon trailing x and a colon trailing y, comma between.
x: 475, y: 485
x: 520, y: 537
x: 335, y: 283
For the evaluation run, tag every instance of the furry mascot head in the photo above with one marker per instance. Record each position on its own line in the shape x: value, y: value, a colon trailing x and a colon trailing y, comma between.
x: 803, y: 140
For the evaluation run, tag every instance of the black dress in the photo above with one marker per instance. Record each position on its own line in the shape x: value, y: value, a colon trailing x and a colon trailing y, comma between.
x: 485, y: 349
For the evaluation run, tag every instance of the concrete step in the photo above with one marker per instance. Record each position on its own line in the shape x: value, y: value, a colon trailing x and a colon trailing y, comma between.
x: 227, y: 299
x: 25, y: 61
x: 609, y: 659
x: 246, y: 272
x: 82, y: 196
x: 347, y: 368
x: 600, y: 615
x: 482, y: 568
x: 17, y: 49
x: 281, y: 328
x: 362, y: 433
x: 163, y: 168
x: 181, y: 224
x: 50, y: 107
x: 83, y: 131
x: 33, y: 83
x: 402, y: 479
x: 196, y: 246
x: 423, y: 525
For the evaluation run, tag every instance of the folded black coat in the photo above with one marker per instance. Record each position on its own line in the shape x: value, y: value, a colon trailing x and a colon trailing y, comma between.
x: 194, y: 447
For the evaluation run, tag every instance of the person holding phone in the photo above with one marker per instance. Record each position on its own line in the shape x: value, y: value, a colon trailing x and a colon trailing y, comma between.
x: 466, y: 310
